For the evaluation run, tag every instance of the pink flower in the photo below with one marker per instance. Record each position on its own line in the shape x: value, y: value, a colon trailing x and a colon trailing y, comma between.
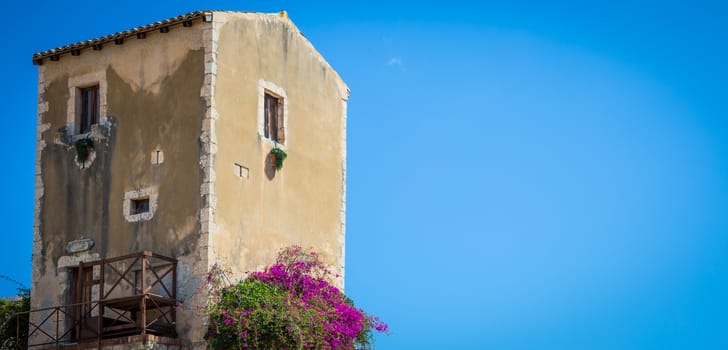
x: 322, y: 315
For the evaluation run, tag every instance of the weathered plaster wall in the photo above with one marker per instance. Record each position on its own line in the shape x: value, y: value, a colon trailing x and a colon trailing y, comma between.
x: 304, y: 202
x: 192, y: 93
x: 153, y: 102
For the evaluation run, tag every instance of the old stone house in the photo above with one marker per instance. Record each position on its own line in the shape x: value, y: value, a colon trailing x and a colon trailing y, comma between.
x: 154, y: 162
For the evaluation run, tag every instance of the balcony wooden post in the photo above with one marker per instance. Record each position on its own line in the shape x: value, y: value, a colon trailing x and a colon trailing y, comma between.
x: 99, y: 323
x: 143, y: 306
x: 143, y: 302
x: 57, y: 325
x: 174, y: 296
x: 102, y: 280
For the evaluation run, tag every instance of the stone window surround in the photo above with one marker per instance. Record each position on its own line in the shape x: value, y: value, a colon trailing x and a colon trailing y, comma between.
x: 141, y: 193
x: 269, y: 87
x: 74, y: 101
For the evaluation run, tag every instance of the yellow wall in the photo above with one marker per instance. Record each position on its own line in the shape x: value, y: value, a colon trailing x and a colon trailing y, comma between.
x: 302, y: 203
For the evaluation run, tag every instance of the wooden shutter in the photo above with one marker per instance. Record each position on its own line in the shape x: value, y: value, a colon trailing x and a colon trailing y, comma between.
x: 89, y: 108
x: 281, y: 123
x: 270, y: 118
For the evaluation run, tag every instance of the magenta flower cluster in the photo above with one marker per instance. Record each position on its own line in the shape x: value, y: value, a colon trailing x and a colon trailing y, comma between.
x: 289, y: 305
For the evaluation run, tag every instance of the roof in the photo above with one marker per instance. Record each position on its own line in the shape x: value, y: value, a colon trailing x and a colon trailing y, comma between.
x: 118, y: 37
x: 163, y: 26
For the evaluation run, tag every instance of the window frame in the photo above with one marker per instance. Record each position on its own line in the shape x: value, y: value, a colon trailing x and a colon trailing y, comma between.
x: 74, y: 107
x: 88, y: 113
x: 272, y: 120
x: 149, y: 194
x: 266, y: 88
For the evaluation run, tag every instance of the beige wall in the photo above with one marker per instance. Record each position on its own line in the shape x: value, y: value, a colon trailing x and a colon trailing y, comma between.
x: 303, y: 202
x: 152, y: 102
x: 193, y: 93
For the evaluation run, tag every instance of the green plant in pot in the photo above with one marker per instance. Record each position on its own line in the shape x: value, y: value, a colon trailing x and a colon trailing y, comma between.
x: 277, y: 156
x: 84, y: 147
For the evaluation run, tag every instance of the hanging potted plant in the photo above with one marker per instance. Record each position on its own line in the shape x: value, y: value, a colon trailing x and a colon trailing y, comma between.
x: 277, y: 156
x: 84, y: 147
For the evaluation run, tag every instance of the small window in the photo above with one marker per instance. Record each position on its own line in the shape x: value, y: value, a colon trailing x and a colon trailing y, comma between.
x: 273, y: 123
x: 139, y: 206
x: 89, y: 113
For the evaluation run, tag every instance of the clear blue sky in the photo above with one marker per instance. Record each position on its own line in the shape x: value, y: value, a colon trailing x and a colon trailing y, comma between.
x: 529, y: 175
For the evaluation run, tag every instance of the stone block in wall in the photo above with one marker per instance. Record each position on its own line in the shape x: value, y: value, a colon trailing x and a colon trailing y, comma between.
x: 79, y: 245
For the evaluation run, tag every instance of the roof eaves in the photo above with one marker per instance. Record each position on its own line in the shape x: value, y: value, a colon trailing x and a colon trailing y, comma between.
x: 118, y: 37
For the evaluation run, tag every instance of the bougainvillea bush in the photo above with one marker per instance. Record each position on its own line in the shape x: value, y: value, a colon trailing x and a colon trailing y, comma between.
x: 289, y: 305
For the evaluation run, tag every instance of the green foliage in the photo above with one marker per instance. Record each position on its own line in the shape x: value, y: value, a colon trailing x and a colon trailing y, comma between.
x: 261, y: 303
x: 289, y: 305
x: 8, y: 323
x: 83, y: 149
x: 280, y: 155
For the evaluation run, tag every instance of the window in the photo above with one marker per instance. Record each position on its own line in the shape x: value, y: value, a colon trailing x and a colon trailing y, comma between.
x: 89, y: 113
x: 139, y: 205
x: 273, y: 114
x: 87, y: 103
x: 273, y: 123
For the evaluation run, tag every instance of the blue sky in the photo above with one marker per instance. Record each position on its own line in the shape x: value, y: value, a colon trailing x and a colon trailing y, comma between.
x: 521, y: 175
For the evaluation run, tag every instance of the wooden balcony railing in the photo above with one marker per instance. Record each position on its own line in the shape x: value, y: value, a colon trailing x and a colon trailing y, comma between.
x: 129, y: 295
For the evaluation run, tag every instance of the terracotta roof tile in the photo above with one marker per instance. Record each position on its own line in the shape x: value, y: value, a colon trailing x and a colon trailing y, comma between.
x: 56, y: 52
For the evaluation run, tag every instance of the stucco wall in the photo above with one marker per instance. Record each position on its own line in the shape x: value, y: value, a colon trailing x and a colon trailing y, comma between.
x: 152, y: 102
x: 193, y: 94
x: 303, y: 203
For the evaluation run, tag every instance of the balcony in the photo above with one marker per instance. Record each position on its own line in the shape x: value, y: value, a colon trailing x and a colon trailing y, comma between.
x: 129, y: 297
